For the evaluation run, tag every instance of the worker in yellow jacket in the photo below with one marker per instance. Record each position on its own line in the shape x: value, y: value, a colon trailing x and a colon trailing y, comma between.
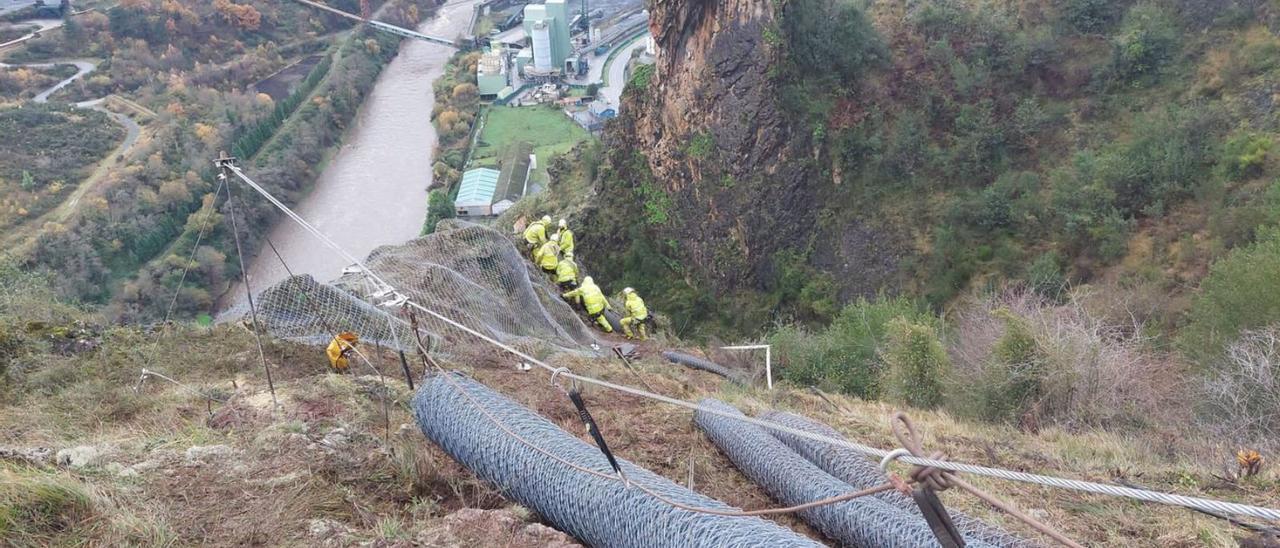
x: 566, y: 238
x: 536, y: 233
x: 547, y: 257
x: 567, y: 273
x: 342, y: 345
x: 637, y: 314
x: 593, y: 299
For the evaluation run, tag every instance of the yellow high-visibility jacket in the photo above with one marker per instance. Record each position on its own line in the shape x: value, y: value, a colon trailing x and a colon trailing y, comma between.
x: 547, y: 256
x: 339, y: 347
x: 566, y: 271
x: 566, y: 241
x: 536, y: 233
x: 592, y: 298
x: 636, y: 308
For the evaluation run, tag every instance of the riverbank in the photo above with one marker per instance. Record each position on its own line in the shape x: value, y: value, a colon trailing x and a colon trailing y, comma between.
x: 374, y: 189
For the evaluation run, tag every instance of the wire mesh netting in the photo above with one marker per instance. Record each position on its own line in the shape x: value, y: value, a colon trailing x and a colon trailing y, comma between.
x: 598, y: 511
x: 788, y: 477
x: 467, y: 272
x: 861, y: 473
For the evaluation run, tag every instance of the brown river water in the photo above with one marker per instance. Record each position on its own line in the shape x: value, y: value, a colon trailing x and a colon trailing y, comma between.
x: 373, y: 191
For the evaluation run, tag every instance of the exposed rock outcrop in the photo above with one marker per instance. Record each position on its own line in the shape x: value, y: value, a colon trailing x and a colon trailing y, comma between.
x: 722, y: 172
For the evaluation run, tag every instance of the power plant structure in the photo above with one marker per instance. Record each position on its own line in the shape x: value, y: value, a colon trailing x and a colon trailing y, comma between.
x: 548, y: 28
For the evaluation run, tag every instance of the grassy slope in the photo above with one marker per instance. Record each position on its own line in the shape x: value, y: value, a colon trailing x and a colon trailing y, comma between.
x: 286, y: 470
x: 549, y: 130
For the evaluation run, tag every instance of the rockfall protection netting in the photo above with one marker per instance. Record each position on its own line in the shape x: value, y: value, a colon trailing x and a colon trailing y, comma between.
x: 596, y: 510
x: 469, y: 273
x: 861, y: 473
x: 791, y: 479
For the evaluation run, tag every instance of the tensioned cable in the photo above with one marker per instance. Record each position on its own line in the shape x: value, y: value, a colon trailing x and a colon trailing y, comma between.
x: 213, y: 205
x: 1049, y: 481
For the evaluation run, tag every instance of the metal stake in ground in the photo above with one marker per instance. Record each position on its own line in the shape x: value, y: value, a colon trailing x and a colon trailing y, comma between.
x: 224, y: 164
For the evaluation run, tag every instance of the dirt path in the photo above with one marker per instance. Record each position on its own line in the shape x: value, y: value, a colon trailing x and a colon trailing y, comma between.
x: 21, y: 237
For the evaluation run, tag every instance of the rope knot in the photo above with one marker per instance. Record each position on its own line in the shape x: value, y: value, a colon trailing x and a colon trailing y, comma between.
x: 936, y: 479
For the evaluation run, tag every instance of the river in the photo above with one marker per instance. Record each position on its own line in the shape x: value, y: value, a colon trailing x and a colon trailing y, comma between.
x: 373, y: 191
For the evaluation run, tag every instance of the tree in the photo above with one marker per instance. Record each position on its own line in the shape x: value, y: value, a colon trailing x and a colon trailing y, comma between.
x: 439, y: 208
x: 1147, y: 41
x: 1240, y: 293
x: 917, y: 364
x: 593, y: 89
x: 830, y: 36
x: 28, y: 182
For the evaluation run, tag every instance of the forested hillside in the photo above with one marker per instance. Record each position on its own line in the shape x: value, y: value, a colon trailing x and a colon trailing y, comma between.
x: 952, y: 144
x: 194, y: 64
x: 1032, y: 212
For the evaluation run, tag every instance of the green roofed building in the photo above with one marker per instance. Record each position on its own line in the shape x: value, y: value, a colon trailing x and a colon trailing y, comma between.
x: 475, y: 194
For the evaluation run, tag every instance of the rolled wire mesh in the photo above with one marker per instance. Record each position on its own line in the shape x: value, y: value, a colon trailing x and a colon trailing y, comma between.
x: 596, y: 510
x: 705, y: 365
x: 789, y: 478
x: 859, y: 472
x: 466, y: 272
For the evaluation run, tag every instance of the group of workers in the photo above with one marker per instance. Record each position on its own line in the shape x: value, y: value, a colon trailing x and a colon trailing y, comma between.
x: 553, y: 253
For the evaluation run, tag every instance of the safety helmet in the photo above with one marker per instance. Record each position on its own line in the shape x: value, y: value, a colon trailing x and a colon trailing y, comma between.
x: 564, y: 223
x: 546, y: 219
x: 628, y: 291
x: 587, y: 281
x: 555, y: 237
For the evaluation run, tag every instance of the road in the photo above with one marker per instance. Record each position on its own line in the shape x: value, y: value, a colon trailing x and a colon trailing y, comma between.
x: 19, y: 237
x: 43, y: 24
x: 612, y: 89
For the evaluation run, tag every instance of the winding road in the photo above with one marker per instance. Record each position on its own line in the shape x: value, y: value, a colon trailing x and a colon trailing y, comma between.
x: 22, y: 234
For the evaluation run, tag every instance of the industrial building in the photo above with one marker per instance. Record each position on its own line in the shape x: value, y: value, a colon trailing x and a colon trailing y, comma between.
x: 491, y: 74
x: 548, y: 27
x: 475, y: 193
x: 486, y: 191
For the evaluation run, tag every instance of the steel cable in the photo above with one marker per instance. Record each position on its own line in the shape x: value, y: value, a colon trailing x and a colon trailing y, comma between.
x: 859, y: 471
x: 598, y: 510
x: 790, y: 478
x: 1010, y: 475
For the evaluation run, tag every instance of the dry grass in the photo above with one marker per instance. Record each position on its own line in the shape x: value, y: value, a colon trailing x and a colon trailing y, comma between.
x: 287, y: 468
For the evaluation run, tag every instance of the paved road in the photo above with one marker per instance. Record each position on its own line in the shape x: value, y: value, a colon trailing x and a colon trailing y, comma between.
x: 24, y: 234
x: 42, y: 24
x: 612, y: 90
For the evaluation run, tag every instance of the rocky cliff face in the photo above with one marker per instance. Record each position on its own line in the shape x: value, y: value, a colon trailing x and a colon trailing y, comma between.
x: 705, y: 153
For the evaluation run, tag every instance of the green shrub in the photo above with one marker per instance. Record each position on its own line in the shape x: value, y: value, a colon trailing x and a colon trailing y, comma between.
x: 811, y: 294
x: 1012, y: 383
x: 917, y: 364
x: 1090, y: 16
x: 1045, y: 276
x: 830, y: 37
x: 701, y: 145
x: 1241, y: 292
x: 640, y: 78
x: 1243, y: 156
x: 439, y: 208
x: 1147, y: 41
x: 845, y: 356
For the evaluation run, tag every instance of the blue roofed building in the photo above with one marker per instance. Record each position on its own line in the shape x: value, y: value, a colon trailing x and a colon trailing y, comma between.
x: 475, y: 193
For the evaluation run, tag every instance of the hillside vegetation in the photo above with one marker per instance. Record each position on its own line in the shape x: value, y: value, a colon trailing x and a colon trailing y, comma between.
x: 48, y: 148
x: 91, y: 454
x: 194, y: 63
x: 1032, y: 214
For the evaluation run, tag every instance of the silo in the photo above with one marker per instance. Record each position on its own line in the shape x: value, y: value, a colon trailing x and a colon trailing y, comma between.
x: 542, y: 46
